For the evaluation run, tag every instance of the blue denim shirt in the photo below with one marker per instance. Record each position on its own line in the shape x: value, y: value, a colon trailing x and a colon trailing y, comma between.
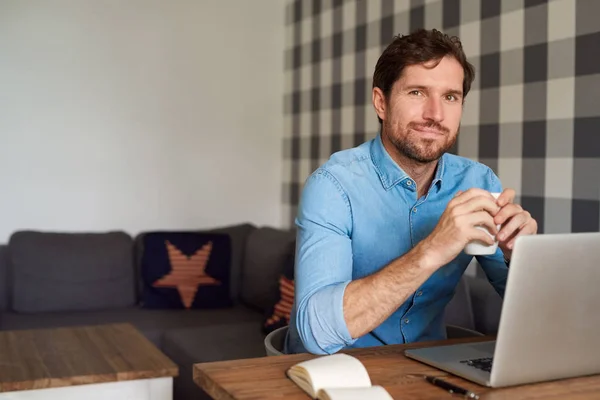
x: 357, y: 213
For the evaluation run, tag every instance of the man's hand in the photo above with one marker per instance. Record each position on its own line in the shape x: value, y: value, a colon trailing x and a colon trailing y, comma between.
x: 514, y: 220
x: 457, y: 226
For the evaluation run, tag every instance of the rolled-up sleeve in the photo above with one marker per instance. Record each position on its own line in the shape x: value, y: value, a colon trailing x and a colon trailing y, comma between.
x: 323, y: 264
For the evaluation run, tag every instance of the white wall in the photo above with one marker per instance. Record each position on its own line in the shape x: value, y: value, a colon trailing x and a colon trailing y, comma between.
x: 140, y: 114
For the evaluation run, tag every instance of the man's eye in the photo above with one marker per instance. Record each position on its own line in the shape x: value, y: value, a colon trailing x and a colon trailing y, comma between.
x: 451, y: 97
x: 414, y: 93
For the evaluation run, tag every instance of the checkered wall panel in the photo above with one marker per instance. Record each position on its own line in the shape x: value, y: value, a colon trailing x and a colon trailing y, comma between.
x: 532, y: 113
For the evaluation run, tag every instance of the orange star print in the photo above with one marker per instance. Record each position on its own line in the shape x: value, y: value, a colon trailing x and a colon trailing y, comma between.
x: 187, y: 273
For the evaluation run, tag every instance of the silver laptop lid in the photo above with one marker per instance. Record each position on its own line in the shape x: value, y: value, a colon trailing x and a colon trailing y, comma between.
x: 550, y: 320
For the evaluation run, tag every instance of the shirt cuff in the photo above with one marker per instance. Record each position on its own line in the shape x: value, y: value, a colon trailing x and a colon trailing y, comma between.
x: 327, y: 318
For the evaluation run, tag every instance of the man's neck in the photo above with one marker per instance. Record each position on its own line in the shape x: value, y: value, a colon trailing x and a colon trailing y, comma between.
x: 421, y: 173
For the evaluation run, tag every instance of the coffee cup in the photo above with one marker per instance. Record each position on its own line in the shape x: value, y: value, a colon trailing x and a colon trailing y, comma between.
x: 479, y: 248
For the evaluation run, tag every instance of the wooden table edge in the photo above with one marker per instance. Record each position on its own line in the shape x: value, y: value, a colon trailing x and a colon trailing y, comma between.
x: 170, y: 371
x: 211, y: 388
x: 77, y: 380
x: 216, y: 391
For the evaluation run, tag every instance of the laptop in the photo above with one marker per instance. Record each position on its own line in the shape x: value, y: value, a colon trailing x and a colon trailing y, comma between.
x: 550, y: 319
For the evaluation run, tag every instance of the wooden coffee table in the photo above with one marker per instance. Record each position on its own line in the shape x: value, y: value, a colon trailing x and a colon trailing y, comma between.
x: 91, y: 362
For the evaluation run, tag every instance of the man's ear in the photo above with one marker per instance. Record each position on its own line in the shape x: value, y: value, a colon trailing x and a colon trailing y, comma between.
x: 379, y: 102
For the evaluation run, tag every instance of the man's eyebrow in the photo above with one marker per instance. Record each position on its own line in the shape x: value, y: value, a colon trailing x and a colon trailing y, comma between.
x: 412, y: 87
x: 455, y: 92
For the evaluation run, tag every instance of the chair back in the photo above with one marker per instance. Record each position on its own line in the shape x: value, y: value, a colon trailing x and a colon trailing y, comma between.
x: 275, y: 340
x: 459, y: 311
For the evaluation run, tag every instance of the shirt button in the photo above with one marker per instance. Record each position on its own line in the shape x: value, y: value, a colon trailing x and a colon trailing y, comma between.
x: 409, y: 182
x: 406, y: 321
x: 415, y: 209
x: 419, y: 293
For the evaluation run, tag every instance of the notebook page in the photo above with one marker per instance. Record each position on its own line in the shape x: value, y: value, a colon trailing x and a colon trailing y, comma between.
x: 337, y: 370
x: 362, y: 393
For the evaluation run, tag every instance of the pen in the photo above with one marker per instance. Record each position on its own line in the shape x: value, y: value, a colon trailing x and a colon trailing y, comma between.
x: 450, y: 387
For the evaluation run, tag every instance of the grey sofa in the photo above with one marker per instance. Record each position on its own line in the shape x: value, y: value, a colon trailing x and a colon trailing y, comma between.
x: 50, y: 279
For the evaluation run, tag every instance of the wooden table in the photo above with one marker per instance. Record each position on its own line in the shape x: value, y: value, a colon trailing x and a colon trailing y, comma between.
x: 92, y: 362
x: 264, y: 378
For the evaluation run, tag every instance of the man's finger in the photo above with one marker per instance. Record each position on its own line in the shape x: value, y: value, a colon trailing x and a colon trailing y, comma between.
x: 482, y: 218
x: 482, y: 236
x: 516, y: 223
x: 528, y: 229
x: 471, y: 193
x: 479, y: 203
x: 507, y: 212
x: 507, y: 196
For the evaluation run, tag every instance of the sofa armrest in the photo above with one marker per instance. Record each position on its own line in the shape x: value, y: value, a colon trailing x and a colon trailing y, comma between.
x: 4, y: 278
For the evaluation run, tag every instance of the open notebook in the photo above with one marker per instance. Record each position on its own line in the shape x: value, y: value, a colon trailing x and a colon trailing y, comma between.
x: 336, y: 377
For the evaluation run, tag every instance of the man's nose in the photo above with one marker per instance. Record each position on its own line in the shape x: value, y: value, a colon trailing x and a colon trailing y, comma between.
x: 434, y: 110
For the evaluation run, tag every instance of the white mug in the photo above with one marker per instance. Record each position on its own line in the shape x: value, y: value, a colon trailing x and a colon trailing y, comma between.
x: 479, y: 248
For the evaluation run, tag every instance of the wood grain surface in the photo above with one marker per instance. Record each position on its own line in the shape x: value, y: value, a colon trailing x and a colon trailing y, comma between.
x: 264, y: 378
x: 46, y: 358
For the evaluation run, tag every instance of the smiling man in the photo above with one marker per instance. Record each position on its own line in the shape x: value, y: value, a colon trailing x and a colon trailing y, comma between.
x: 382, y: 227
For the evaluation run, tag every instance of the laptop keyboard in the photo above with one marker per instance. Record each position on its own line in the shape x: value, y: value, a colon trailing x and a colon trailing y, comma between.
x: 484, y: 364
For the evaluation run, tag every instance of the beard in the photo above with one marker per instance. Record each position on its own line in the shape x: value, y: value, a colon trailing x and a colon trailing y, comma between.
x: 422, y: 150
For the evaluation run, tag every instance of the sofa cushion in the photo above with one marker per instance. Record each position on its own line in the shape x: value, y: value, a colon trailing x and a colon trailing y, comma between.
x: 4, y: 278
x: 216, y: 342
x: 237, y: 233
x: 267, y: 250
x: 152, y: 323
x: 71, y: 271
x: 186, y: 270
x: 187, y: 347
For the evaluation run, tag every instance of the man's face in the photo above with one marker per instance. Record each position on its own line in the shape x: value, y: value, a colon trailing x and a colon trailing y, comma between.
x: 421, y: 116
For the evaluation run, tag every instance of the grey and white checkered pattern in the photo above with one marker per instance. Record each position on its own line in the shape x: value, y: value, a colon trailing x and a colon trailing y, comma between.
x: 531, y: 114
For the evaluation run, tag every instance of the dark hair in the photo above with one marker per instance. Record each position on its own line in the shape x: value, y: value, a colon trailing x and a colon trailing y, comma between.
x: 419, y: 47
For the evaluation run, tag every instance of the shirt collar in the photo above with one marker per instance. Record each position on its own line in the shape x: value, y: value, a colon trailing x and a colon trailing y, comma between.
x: 390, y: 172
x: 439, y: 173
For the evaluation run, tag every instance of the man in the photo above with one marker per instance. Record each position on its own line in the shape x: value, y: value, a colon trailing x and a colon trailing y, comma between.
x: 382, y: 227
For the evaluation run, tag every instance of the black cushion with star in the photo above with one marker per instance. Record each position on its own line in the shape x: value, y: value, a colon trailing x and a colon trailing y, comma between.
x: 186, y: 270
